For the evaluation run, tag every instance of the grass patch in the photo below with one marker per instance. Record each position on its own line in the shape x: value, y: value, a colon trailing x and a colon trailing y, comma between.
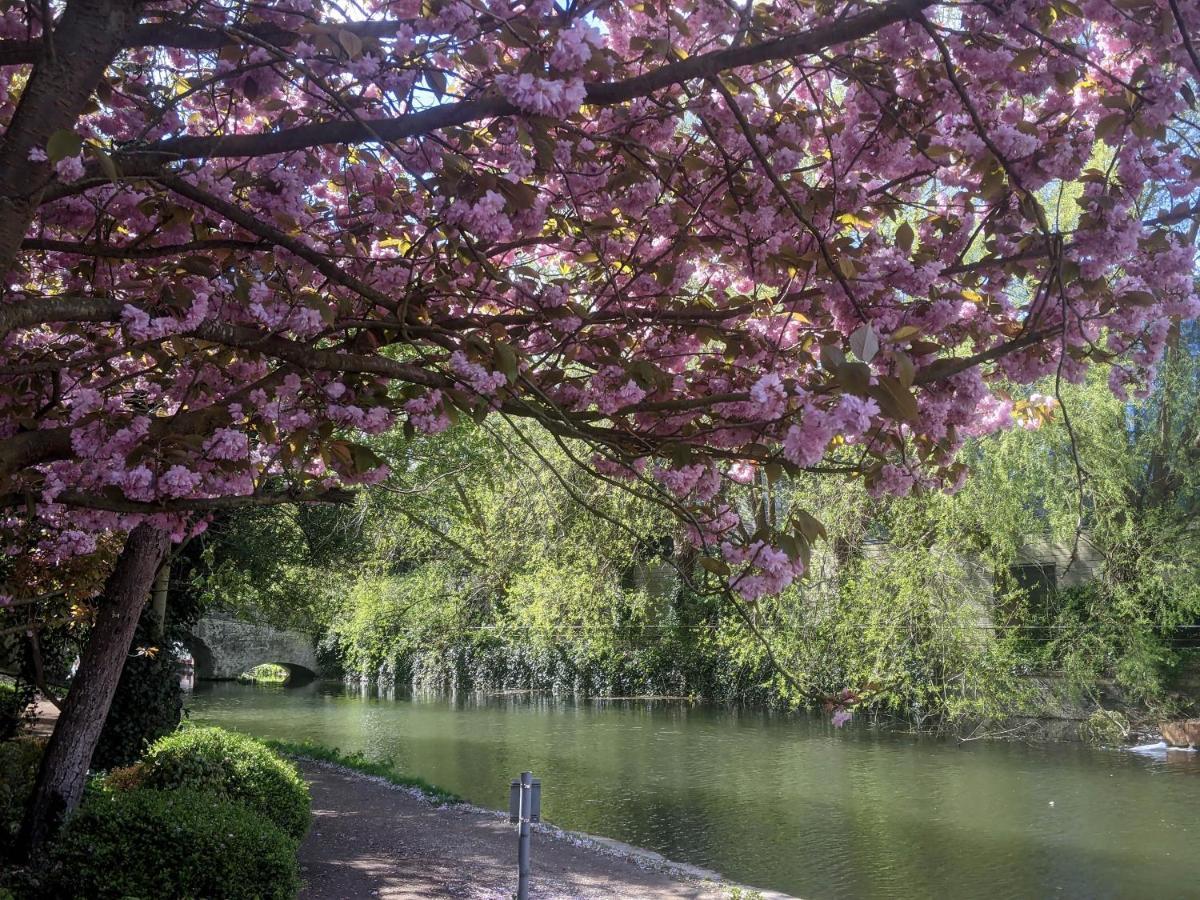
x: 360, y: 763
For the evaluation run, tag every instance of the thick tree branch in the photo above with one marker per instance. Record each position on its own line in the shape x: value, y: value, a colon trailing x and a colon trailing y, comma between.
x: 111, y: 251
x: 1187, y: 38
x: 462, y: 112
x: 119, y: 504
x: 84, y: 42
x: 207, y: 504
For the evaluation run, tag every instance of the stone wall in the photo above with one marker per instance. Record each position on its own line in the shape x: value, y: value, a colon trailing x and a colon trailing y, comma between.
x: 224, y: 647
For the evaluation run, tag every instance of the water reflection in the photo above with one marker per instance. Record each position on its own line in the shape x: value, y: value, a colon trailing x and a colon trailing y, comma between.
x: 778, y: 800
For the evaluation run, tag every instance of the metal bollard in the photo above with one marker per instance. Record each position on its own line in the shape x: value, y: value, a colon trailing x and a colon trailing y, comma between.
x: 524, y: 807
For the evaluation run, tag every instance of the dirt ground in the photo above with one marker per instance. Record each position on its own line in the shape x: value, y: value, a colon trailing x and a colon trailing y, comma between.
x: 369, y: 839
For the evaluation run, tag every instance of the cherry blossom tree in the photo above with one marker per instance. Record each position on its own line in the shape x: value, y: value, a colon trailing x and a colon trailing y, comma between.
x: 710, y: 240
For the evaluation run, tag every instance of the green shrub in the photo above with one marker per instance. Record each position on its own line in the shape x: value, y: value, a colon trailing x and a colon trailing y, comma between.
x: 10, y: 709
x: 19, y: 761
x: 148, y: 703
x: 169, y: 845
x: 234, y: 766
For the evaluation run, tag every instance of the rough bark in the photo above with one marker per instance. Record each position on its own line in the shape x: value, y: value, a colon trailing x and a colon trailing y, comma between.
x: 70, y: 66
x: 158, y: 599
x: 69, y: 753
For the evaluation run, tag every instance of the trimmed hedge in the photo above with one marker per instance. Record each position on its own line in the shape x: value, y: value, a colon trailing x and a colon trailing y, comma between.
x: 169, y: 845
x: 232, y: 766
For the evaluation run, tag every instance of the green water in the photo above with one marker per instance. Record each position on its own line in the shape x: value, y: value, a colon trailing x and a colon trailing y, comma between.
x: 780, y: 801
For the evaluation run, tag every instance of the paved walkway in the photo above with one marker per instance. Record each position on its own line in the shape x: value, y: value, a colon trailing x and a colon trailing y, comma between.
x: 369, y: 840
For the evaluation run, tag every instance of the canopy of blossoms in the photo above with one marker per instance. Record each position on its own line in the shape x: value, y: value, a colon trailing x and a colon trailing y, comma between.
x: 709, y: 238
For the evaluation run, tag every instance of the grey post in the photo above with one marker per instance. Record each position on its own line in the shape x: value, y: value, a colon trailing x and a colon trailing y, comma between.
x: 524, y: 807
x: 523, y: 848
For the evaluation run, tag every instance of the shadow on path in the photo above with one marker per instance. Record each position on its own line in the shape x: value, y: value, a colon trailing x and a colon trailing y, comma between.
x: 369, y: 840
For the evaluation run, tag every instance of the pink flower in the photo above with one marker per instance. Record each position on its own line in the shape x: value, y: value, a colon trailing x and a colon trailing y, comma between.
x: 476, y: 376
x: 179, y: 482
x: 770, y: 395
x: 574, y: 46
x: 627, y: 395
x: 805, y: 444
x: 543, y: 96
x: 69, y: 169
x: 741, y: 472
x: 426, y: 413
x: 228, y: 443
x: 841, y: 717
x: 137, y: 484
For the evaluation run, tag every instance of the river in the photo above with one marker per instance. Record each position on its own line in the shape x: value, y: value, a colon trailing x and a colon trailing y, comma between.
x: 777, y: 800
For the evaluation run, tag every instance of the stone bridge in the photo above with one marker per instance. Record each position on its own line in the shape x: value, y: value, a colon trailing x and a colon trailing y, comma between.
x: 224, y: 647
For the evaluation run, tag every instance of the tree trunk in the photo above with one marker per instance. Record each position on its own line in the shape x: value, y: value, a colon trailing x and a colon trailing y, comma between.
x: 74, y: 58
x: 158, y: 599
x: 68, y: 755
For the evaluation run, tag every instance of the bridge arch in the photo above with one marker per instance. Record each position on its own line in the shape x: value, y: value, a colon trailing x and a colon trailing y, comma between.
x: 223, y: 648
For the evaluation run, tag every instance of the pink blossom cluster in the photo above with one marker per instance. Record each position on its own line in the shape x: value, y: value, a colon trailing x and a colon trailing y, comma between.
x: 575, y: 46
x: 761, y: 568
x: 810, y: 271
x: 555, y: 97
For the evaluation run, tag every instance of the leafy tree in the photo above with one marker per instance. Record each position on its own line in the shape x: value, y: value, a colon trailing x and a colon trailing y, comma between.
x: 806, y: 237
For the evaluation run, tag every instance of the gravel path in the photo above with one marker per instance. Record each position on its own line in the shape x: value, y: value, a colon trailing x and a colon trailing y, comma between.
x: 372, y: 839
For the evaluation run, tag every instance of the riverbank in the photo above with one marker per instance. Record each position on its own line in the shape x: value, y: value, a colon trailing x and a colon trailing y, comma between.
x: 372, y: 838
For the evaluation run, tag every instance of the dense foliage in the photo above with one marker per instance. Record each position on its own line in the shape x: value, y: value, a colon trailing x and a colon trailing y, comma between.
x: 230, y: 766
x: 809, y: 236
x: 19, y: 760
x: 206, y: 814
x: 494, y: 562
x: 176, y: 843
x: 148, y: 703
x: 707, y: 242
x: 14, y: 698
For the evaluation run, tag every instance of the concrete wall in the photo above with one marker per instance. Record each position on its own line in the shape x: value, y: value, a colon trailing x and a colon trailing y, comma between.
x: 1074, y: 566
x: 224, y: 647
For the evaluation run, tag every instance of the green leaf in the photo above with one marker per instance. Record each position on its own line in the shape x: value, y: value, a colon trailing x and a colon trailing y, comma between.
x: 506, y: 361
x: 789, y: 545
x: 809, y: 526
x: 351, y: 43
x: 832, y: 357
x: 107, y: 164
x: 864, y: 342
x: 63, y: 144
x: 896, y: 400
x: 199, y: 265
x: 1109, y: 126
x: 854, y: 377
x: 436, y: 79
x: 364, y: 458
x: 906, y: 372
